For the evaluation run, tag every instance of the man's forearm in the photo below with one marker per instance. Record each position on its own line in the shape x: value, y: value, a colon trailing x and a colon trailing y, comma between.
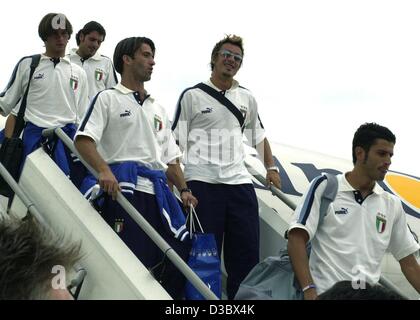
x: 9, y: 126
x: 107, y: 181
x: 411, y: 270
x: 300, y: 261
x: 264, y: 150
x: 87, y: 149
x: 175, y: 175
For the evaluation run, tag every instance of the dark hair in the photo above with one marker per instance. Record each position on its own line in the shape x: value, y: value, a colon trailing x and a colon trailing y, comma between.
x: 128, y: 47
x: 46, y: 27
x: 28, y: 252
x: 232, y: 39
x: 89, y: 27
x: 343, y: 290
x: 367, y: 134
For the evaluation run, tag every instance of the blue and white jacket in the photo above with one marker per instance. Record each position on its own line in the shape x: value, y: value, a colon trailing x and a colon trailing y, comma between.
x: 126, y: 173
x: 32, y: 140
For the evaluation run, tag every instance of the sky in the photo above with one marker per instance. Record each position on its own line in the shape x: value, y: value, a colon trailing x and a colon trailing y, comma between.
x: 318, y: 68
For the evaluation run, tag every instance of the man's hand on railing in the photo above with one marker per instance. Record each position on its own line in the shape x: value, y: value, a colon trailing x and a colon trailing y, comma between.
x: 108, y: 182
x: 273, y: 177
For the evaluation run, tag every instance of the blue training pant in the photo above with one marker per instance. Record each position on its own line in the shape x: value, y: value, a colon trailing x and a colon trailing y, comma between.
x: 142, y: 246
x: 230, y: 211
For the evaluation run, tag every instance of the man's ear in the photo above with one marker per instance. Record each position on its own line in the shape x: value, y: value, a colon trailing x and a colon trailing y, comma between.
x: 212, y: 61
x: 126, y: 59
x: 360, y: 154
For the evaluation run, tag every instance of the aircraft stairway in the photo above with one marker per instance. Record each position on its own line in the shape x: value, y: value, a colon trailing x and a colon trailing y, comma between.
x: 113, y: 271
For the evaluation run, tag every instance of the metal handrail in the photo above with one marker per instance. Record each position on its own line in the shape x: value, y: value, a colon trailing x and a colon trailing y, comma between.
x: 277, y: 193
x: 22, y: 196
x: 142, y: 222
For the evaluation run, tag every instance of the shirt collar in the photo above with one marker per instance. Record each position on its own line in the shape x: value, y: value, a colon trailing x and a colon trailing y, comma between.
x: 96, y: 56
x: 125, y: 90
x: 235, y: 84
x: 65, y: 58
x: 344, y: 185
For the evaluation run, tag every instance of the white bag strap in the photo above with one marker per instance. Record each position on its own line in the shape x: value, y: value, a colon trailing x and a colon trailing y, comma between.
x: 193, y: 215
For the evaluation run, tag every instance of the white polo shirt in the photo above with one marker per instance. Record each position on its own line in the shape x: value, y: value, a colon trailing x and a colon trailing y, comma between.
x: 57, y: 93
x: 211, y: 135
x: 126, y: 130
x: 351, y: 241
x: 99, y: 70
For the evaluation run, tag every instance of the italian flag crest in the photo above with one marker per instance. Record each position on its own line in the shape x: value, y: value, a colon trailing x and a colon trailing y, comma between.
x: 158, y: 123
x: 74, y: 83
x: 118, y: 225
x: 380, y: 223
x: 99, y: 75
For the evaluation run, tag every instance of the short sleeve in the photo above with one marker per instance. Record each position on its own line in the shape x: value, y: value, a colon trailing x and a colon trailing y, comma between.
x: 402, y: 242
x: 306, y: 215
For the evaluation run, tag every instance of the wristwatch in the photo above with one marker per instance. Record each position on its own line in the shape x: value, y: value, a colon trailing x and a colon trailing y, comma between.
x: 275, y: 168
x: 184, y: 190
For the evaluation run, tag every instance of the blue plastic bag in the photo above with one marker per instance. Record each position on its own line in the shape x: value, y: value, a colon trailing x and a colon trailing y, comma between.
x: 204, y: 261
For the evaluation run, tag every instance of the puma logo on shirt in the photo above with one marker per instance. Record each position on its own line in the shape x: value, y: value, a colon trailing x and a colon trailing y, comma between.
x: 126, y: 113
x: 342, y: 211
x: 39, y: 76
x: 207, y: 110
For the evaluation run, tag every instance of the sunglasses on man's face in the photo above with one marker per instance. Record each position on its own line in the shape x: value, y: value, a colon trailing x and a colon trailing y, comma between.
x: 226, y: 54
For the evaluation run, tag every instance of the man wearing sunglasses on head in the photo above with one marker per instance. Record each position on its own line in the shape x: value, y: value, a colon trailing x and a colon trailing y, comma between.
x: 210, y: 122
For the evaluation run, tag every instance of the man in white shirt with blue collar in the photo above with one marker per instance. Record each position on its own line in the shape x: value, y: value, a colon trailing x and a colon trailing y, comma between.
x: 360, y: 225
x: 99, y: 69
x: 125, y: 135
x: 57, y: 96
x: 211, y: 135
